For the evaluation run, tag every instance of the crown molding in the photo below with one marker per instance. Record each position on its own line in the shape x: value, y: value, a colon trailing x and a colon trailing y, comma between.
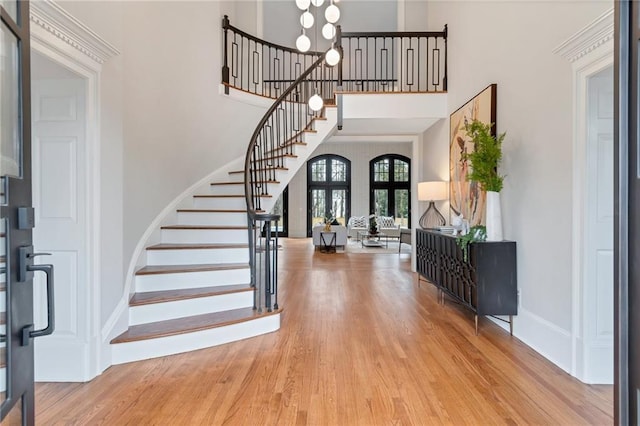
x: 585, y: 41
x: 55, y: 20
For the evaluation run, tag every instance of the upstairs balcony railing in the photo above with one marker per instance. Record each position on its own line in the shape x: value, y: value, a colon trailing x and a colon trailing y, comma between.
x: 414, y: 62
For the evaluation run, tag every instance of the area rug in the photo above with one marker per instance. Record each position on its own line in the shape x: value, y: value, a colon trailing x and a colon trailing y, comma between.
x: 355, y: 247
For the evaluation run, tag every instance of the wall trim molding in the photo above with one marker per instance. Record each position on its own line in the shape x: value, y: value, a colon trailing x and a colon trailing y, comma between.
x: 589, y: 51
x: 585, y: 41
x: 55, y: 20
x: 64, y: 40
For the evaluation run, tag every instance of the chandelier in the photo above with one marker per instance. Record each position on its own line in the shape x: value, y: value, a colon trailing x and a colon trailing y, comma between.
x: 303, y: 43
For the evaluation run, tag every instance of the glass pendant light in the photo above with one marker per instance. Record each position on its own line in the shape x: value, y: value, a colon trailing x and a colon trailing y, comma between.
x: 303, y: 4
x: 306, y: 19
x: 332, y: 57
x: 315, y: 102
x: 328, y: 31
x: 332, y: 14
x: 303, y: 43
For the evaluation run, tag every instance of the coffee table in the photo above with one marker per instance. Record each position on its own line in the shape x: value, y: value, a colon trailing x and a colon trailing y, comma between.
x: 368, y: 239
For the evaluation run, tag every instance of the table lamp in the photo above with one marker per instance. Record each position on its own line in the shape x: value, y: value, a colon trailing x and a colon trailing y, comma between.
x: 432, y: 191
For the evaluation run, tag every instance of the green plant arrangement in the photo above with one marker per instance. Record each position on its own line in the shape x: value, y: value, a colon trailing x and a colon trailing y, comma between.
x: 486, y: 156
x: 373, y: 225
x: 476, y: 233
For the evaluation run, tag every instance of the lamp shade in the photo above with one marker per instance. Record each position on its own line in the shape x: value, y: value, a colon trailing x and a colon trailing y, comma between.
x: 432, y: 191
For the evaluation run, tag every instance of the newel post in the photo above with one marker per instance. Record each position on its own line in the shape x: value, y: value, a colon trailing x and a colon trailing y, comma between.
x: 444, y: 80
x: 225, y: 65
x: 341, y: 50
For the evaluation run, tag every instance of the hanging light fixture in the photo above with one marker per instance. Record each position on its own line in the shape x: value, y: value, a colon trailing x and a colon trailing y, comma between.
x: 303, y: 43
x: 303, y: 4
x: 315, y: 102
x: 332, y: 56
x: 317, y: 3
x: 306, y: 19
x: 332, y: 13
x: 328, y: 31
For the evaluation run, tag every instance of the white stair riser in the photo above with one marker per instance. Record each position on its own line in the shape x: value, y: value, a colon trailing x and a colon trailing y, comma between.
x: 197, y: 256
x: 169, y: 345
x: 183, y: 308
x: 208, y: 218
x: 3, y: 379
x: 202, y: 236
x: 228, y: 203
x: 227, y: 189
x: 183, y: 280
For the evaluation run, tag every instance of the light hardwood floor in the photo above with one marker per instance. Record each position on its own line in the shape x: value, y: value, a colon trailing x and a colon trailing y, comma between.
x: 361, y: 343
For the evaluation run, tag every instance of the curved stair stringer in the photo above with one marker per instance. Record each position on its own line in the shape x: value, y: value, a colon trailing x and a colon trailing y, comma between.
x: 218, y: 282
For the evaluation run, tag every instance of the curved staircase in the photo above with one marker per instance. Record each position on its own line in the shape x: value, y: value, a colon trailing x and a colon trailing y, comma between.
x: 195, y: 290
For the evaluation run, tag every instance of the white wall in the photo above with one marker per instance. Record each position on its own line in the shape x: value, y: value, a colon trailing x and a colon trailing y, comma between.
x: 359, y: 153
x: 511, y: 43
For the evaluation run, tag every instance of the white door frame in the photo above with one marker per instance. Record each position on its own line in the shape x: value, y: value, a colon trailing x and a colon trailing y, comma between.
x: 63, y: 39
x: 589, y: 51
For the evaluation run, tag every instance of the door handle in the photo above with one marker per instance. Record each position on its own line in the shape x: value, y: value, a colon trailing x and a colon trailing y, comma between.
x: 48, y: 270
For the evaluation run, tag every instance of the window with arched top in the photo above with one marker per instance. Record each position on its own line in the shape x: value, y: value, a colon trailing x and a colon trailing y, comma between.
x: 328, y: 189
x: 390, y: 186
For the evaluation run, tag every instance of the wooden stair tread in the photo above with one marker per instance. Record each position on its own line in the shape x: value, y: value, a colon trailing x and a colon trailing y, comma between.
x: 219, y: 196
x: 205, y: 227
x: 210, y: 211
x: 3, y: 318
x: 3, y: 357
x: 201, y: 246
x: 235, y: 172
x: 275, y: 157
x: 152, y: 297
x: 173, y: 269
x: 226, y: 183
x: 189, y: 324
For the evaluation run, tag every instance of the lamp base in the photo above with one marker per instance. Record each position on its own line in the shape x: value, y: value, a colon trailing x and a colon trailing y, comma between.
x: 432, y: 218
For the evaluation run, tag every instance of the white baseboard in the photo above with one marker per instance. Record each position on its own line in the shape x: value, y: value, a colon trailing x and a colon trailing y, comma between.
x: 546, y: 338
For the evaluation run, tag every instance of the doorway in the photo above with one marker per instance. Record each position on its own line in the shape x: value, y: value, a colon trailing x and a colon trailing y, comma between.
x: 60, y: 200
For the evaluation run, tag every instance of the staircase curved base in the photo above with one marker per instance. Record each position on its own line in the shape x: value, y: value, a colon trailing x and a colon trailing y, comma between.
x: 169, y: 345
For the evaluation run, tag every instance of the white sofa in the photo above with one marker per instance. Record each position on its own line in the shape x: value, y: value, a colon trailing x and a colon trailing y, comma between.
x: 386, y: 225
x: 341, y: 235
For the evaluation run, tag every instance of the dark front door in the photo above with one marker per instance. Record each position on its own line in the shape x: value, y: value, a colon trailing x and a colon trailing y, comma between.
x: 16, y: 222
x: 627, y: 214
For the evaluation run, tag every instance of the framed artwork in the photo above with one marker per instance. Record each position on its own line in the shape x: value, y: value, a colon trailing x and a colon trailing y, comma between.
x: 466, y: 197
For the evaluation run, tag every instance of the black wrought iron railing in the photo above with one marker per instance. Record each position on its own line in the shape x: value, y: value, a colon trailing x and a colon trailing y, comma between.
x: 393, y: 61
x: 413, y: 62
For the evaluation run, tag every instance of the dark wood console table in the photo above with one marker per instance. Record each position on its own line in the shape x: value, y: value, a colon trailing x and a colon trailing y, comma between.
x: 486, y: 283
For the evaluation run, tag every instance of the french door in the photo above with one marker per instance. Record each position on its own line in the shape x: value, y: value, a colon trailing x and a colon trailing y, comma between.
x: 16, y: 222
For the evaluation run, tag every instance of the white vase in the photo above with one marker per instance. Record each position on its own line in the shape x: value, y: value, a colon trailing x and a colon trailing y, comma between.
x: 494, y: 217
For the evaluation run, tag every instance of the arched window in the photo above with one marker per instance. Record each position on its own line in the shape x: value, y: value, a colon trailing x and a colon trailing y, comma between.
x: 390, y: 184
x: 328, y: 189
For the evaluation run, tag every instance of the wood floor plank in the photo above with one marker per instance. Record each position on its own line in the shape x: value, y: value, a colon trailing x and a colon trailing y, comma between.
x: 361, y: 343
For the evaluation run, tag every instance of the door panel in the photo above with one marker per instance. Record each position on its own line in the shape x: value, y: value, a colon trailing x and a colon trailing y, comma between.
x: 59, y: 199
x: 598, y: 274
